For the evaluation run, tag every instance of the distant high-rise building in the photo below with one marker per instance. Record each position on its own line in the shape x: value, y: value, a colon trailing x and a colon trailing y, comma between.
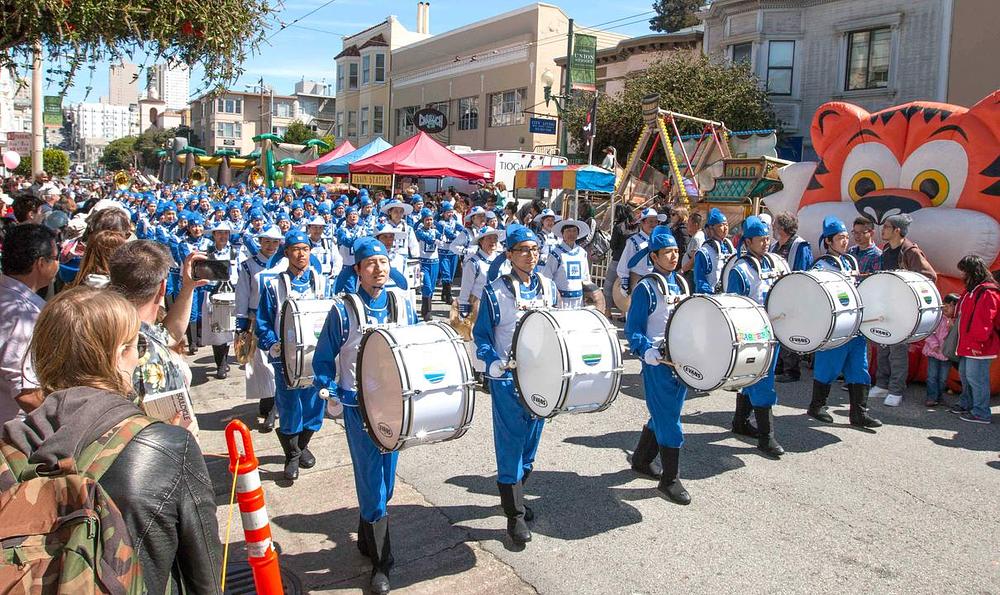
x: 123, y: 84
x: 172, y: 83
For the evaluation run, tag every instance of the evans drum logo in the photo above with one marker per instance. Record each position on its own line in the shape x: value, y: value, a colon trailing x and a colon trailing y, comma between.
x: 692, y: 372
x: 880, y: 332
x: 384, y: 429
x: 798, y: 340
x: 539, y: 400
x: 844, y: 298
x: 592, y: 359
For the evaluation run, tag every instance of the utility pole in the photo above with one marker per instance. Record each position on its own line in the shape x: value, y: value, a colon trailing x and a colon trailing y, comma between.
x: 37, y: 126
x: 567, y: 84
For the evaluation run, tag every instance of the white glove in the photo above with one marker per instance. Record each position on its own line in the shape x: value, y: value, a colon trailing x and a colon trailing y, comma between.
x: 275, y: 350
x: 496, y: 369
x: 651, y: 356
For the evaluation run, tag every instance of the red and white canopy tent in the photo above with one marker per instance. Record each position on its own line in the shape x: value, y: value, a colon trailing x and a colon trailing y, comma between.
x: 309, y: 168
x: 421, y: 157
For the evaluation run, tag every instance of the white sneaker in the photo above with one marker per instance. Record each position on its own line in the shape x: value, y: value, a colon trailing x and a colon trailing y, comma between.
x: 893, y: 400
x: 877, y: 392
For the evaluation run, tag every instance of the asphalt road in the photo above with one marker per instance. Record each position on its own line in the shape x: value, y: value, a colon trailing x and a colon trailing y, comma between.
x: 911, y: 508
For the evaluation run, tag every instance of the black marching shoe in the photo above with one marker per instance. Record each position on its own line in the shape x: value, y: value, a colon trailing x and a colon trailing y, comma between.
x: 670, y: 486
x: 380, y: 553
x: 267, y: 424
x: 741, y: 419
x: 765, y: 437
x: 290, y: 444
x: 306, y: 459
x: 644, y: 456
x: 529, y: 515
x: 512, y: 501
x: 858, y: 395
x: 446, y: 293
x: 425, y: 309
x: 817, y: 407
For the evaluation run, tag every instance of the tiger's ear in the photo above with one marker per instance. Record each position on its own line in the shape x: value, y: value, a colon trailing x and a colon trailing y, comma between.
x: 835, y: 122
x: 987, y: 111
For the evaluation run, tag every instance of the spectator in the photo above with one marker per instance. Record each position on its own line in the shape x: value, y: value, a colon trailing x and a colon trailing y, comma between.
x: 678, y: 226
x: 893, y: 360
x: 938, y: 364
x: 978, y: 344
x: 623, y: 227
x: 96, y: 258
x: 697, y: 237
x: 159, y: 480
x: 864, y: 250
x: 28, y: 208
x: 29, y: 263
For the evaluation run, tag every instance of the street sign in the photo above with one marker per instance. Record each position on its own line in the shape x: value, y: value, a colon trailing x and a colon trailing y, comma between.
x: 430, y: 120
x: 383, y: 180
x: 542, y: 126
x: 19, y: 142
x: 52, y: 113
x: 229, y: 142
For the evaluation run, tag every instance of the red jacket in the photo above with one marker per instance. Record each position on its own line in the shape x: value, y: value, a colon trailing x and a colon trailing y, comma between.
x: 977, y: 315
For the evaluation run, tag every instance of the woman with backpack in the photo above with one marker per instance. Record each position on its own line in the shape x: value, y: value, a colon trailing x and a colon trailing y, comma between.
x: 978, y: 343
x: 88, y: 427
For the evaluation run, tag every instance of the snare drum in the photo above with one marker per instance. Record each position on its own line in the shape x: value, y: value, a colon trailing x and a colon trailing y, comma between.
x: 223, y: 312
x: 413, y: 278
x: 900, y: 307
x: 814, y: 310
x: 567, y: 361
x: 415, y: 385
x: 779, y: 268
x: 719, y: 341
x: 301, y: 324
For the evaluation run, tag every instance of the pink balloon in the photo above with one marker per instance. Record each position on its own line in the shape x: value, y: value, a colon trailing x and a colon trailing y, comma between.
x: 11, y: 159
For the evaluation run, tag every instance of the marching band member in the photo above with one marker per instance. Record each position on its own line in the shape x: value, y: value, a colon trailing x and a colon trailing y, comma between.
x: 463, y: 244
x: 221, y: 250
x: 334, y: 365
x: 568, y: 265
x: 430, y: 238
x: 628, y: 270
x: 851, y: 358
x: 516, y: 433
x: 300, y: 410
x: 545, y: 221
x: 712, y: 255
x: 325, y: 250
x: 653, y: 301
x: 747, y: 278
x: 449, y: 227
x: 475, y: 268
x: 192, y: 240
x: 396, y: 212
x: 259, y: 372
x: 347, y: 234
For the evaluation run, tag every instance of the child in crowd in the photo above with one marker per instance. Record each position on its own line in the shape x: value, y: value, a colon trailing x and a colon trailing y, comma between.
x: 938, y: 364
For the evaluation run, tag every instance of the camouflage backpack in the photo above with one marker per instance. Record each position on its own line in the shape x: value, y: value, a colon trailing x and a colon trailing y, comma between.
x: 62, y: 533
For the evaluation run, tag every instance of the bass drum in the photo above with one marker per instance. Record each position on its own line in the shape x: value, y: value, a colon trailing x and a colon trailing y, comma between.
x: 415, y: 385
x: 567, y: 361
x: 302, y: 322
x: 779, y: 268
x: 719, y: 341
x: 814, y: 310
x: 900, y: 307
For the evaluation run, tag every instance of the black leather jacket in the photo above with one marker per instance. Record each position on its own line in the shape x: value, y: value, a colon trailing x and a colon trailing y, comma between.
x: 161, y: 485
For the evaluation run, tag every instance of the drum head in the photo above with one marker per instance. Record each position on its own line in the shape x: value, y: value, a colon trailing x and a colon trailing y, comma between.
x: 700, y: 340
x: 380, y: 390
x: 800, y: 311
x: 892, y: 308
x: 288, y: 339
x: 538, y: 352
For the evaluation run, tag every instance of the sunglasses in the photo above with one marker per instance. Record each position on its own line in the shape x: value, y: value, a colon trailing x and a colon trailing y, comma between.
x: 141, y: 346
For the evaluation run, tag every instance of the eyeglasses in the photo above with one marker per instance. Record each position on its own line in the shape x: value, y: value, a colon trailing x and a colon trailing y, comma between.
x: 526, y: 251
x: 141, y: 346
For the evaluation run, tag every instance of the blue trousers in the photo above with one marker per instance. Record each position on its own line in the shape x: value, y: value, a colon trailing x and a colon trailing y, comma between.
x: 762, y: 393
x: 374, y: 472
x: 448, y: 264
x: 937, y: 378
x: 664, y: 398
x: 200, y: 293
x: 515, y: 432
x: 173, y: 282
x: 298, y: 409
x: 850, y: 359
x: 975, y: 375
x: 429, y: 270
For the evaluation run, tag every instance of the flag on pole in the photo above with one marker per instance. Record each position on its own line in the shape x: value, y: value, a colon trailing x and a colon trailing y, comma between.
x: 590, y: 124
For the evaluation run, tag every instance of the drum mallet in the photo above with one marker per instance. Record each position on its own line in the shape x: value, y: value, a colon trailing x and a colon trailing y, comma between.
x: 870, y: 320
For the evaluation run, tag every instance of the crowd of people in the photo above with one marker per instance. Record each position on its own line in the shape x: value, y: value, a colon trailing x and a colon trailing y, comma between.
x: 101, y: 297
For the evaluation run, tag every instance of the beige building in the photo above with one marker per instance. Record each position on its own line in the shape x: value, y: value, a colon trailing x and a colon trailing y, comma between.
x: 485, y: 77
x: 636, y: 54
x: 231, y: 120
x: 364, y: 72
x: 973, y: 68
x: 123, y: 84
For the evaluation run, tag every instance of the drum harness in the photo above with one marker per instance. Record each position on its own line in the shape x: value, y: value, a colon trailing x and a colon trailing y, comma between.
x: 773, y: 273
x: 670, y: 298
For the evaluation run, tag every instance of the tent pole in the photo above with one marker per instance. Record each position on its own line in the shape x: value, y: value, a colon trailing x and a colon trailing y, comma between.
x: 392, y: 186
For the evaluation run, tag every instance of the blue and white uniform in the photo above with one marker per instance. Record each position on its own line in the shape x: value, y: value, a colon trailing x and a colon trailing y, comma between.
x: 474, y: 279
x: 749, y: 278
x: 851, y: 358
x: 569, y: 268
x: 429, y: 240
x: 712, y: 256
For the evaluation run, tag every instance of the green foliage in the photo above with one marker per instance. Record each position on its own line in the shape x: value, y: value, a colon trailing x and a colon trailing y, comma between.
x: 686, y: 83
x: 329, y: 140
x: 54, y: 161
x: 672, y: 15
x: 80, y: 34
x: 120, y: 153
x: 298, y: 133
x: 149, y: 142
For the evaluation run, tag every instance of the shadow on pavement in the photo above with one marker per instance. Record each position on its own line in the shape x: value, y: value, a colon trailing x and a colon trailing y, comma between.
x: 994, y: 464
x: 217, y: 420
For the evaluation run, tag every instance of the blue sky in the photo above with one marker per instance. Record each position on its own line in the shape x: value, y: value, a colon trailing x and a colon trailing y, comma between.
x: 308, y: 48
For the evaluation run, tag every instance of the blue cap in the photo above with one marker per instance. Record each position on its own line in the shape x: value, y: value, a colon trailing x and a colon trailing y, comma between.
x: 425, y: 213
x: 519, y: 233
x: 296, y: 204
x: 447, y: 206
x: 832, y: 226
x: 196, y: 219
x: 296, y: 237
x: 349, y: 210
x: 754, y: 227
x: 366, y: 247
x: 416, y: 198
x: 661, y: 238
x: 365, y: 201
x: 324, y: 208
x: 715, y: 217
x: 256, y: 213
x: 281, y: 216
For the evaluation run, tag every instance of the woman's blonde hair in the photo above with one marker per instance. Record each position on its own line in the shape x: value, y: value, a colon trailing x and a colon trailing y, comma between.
x: 76, y: 340
x: 97, y: 256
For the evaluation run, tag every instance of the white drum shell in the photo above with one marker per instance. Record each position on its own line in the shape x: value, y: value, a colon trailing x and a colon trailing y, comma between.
x: 302, y: 322
x: 814, y: 310
x: 218, y: 316
x: 780, y: 268
x: 417, y: 386
x: 719, y: 341
x: 568, y: 361
x: 900, y: 307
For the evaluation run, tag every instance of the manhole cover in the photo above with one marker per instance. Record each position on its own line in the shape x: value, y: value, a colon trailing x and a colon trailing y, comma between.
x: 239, y: 580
